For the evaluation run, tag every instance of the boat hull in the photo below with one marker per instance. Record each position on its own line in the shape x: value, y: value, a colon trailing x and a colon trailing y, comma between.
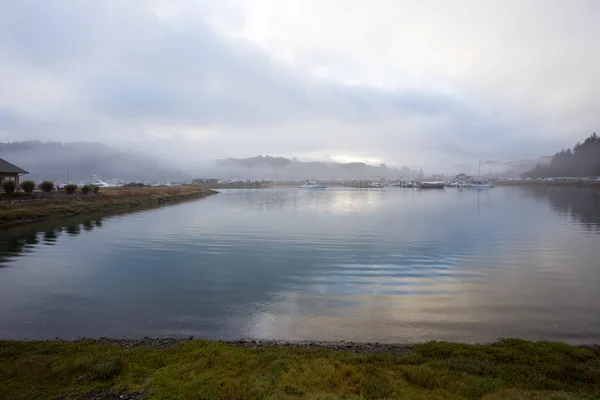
x: 431, y: 185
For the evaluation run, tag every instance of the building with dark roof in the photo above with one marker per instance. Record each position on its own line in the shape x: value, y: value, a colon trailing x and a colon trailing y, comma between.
x: 10, y: 171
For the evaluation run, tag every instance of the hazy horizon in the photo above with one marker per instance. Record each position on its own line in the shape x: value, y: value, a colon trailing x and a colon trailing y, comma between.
x: 429, y: 85
x: 83, y: 161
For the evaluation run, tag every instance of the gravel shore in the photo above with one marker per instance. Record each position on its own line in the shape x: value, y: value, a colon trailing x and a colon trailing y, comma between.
x: 353, y: 347
x: 153, y: 343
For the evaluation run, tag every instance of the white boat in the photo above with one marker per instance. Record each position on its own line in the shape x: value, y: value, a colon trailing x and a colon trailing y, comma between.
x: 99, y: 182
x: 312, y: 185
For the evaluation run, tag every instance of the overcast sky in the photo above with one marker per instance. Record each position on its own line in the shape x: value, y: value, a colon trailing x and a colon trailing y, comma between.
x: 420, y: 83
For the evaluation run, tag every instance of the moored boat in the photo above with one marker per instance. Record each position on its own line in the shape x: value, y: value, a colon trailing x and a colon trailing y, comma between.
x: 312, y: 184
x: 432, y: 185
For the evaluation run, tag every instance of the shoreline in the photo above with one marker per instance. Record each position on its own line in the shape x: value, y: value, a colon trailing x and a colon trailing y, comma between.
x: 107, y: 201
x: 356, y: 347
x: 236, y: 186
x: 570, y: 183
x: 158, y: 343
x: 186, y: 368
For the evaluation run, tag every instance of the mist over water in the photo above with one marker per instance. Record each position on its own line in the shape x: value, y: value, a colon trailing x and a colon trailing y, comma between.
x: 388, y: 265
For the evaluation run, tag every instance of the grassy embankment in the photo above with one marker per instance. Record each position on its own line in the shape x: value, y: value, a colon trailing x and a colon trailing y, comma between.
x: 196, y: 369
x: 105, y: 201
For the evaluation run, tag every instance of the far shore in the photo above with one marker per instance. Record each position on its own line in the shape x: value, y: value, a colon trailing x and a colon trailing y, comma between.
x: 161, y: 368
x: 572, y: 183
x: 237, y: 185
x: 40, y: 207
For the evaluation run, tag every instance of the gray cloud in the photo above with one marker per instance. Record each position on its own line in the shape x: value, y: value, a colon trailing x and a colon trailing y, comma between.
x: 163, y: 77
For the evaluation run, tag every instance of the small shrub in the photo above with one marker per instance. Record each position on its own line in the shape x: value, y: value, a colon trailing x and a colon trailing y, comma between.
x: 28, y: 186
x: 9, y: 187
x: 47, y: 186
x: 96, y: 189
x: 71, y: 188
x: 86, y: 189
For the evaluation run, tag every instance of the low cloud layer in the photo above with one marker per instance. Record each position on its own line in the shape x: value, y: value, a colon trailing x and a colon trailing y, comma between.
x: 427, y: 85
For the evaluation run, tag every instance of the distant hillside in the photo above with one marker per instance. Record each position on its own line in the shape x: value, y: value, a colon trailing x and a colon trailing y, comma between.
x: 518, y: 168
x: 583, y: 160
x: 80, y: 161
x: 502, y: 168
x: 285, y: 169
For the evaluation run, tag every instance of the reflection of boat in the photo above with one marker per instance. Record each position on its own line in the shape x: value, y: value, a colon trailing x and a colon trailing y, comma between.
x: 480, y: 185
x: 312, y: 185
x: 432, y: 185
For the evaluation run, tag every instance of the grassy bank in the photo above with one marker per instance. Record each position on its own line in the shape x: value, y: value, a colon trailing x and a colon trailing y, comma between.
x: 106, y: 201
x: 196, y: 369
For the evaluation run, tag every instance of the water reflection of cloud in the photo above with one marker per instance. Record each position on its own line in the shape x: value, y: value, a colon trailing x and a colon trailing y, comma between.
x: 272, y: 264
x: 332, y: 200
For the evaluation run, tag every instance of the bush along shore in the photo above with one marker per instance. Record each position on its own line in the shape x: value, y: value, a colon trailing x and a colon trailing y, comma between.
x: 48, y: 204
x: 200, y: 369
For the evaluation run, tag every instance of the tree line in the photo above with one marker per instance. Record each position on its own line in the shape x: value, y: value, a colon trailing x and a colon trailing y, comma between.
x: 583, y: 160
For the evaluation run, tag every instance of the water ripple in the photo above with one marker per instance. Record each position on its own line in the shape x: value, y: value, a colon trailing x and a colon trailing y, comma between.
x: 383, y: 265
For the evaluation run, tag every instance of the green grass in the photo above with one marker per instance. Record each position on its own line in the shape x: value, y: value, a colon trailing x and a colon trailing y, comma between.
x: 507, y: 369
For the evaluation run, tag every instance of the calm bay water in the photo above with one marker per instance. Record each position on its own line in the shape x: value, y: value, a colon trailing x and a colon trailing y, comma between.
x: 336, y: 264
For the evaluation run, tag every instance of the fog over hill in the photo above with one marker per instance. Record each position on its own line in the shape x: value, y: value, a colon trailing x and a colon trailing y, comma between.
x: 81, y: 161
x: 583, y: 160
x: 292, y: 169
x: 284, y: 168
x: 502, y: 168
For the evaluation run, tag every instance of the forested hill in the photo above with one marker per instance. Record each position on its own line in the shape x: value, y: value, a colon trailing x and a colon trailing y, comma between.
x: 80, y: 161
x: 583, y: 160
